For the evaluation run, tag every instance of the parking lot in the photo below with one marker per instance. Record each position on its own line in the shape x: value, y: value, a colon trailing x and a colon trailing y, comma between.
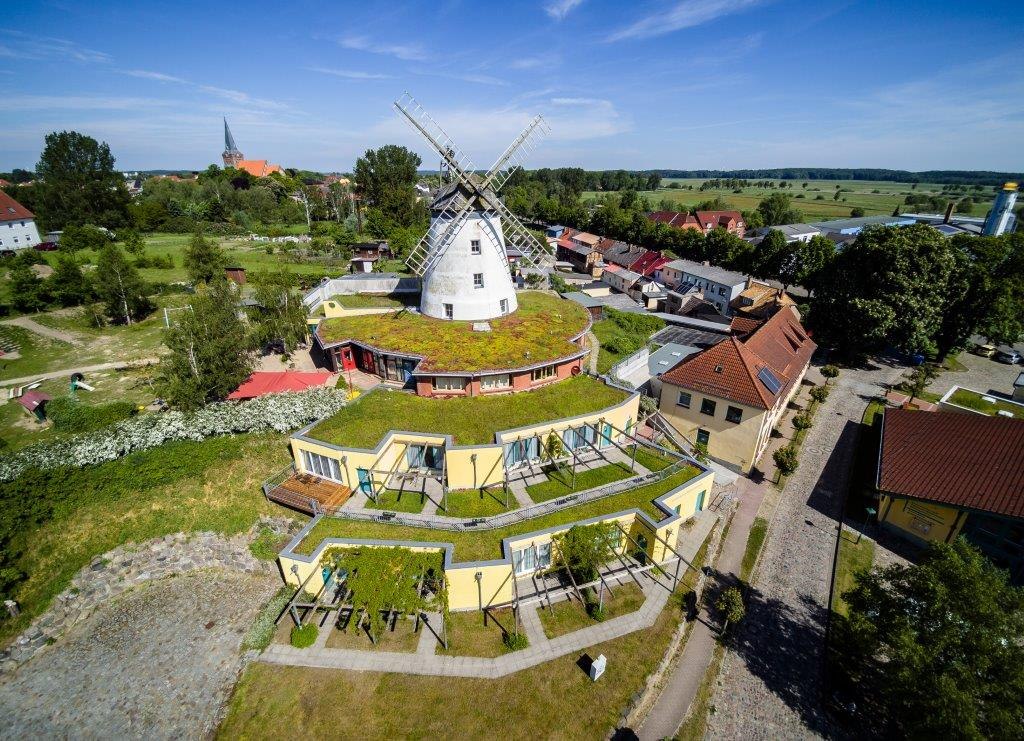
x: 982, y: 374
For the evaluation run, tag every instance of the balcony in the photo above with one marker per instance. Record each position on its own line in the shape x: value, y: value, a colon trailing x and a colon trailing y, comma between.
x: 305, y: 492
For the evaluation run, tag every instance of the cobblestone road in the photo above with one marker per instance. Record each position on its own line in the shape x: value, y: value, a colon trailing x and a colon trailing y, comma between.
x: 769, y: 685
x: 157, y: 663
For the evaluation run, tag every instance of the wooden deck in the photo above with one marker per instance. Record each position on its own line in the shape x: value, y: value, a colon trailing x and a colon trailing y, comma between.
x: 308, y: 493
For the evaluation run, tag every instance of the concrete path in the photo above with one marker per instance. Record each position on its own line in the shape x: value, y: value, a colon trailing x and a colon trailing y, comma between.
x: 770, y: 684
x: 32, y: 325
x: 668, y: 712
x: 541, y: 649
x: 428, y: 641
x: 66, y: 372
x: 595, y: 347
x: 531, y: 624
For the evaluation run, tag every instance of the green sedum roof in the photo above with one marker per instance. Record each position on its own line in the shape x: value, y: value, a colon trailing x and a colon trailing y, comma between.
x: 470, y: 420
x: 539, y: 330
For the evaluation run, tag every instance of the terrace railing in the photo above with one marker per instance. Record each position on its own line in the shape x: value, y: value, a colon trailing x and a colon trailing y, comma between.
x: 440, y: 522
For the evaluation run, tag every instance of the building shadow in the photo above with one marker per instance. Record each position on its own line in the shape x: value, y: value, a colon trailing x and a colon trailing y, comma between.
x: 828, y: 495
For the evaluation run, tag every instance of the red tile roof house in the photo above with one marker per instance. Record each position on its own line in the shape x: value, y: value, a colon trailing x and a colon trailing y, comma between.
x: 17, y: 225
x: 946, y: 474
x: 732, y: 395
x: 704, y: 221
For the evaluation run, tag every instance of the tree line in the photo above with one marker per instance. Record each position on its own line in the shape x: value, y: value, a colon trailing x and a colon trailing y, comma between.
x: 960, y: 177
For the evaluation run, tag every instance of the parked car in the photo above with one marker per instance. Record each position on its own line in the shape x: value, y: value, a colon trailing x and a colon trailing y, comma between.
x: 1007, y: 355
x: 983, y: 349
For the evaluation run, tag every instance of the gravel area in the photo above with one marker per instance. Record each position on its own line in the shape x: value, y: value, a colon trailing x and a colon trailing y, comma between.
x: 982, y: 374
x: 770, y: 681
x: 157, y: 663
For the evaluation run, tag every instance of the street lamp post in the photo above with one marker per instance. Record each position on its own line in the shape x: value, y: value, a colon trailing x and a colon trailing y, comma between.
x: 871, y: 512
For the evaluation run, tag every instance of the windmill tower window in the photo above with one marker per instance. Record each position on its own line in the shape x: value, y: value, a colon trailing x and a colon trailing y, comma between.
x: 449, y: 311
x: 478, y: 280
x: 474, y: 246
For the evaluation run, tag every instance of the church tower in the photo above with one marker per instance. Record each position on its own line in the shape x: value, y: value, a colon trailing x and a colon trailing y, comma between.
x: 231, y: 154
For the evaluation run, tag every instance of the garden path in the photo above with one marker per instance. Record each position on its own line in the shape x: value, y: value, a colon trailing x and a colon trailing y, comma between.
x: 26, y: 322
x: 595, y: 349
x: 115, y: 365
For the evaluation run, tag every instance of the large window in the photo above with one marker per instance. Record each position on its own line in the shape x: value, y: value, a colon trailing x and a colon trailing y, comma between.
x: 474, y: 246
x: 683, y: 400
x: 707, y: 406
x: 734, y: 415
x: 531, y: 558
x: 449, y: 383
x: 541, y: 374
x: 703, y: 437
x: 322, y: 466
x: 500, y: 381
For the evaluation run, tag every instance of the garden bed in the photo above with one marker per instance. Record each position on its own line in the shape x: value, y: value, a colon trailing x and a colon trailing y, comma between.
x: 560, y: 480
x: 569, y: 615
x: 396, y: 500
x: 399, y: 637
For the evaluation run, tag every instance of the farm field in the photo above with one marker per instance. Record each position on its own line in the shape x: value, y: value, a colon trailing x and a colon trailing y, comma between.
x: 862, y: 194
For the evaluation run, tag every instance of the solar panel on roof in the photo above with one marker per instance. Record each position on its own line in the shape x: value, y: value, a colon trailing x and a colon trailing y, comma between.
x: 769, y: 380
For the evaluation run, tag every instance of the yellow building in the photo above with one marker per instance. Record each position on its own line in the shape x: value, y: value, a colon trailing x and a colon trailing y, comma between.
x: 731, y: 396
x: 946, y: 474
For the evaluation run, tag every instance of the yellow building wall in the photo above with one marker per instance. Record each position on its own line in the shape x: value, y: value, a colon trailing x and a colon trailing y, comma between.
x: 465, y: 473
x: 921, y: 520
x: 619, y: 417
x: 733, y: 443
x: 333, y: 309
x: 391, y: 458
x: 495, y: 586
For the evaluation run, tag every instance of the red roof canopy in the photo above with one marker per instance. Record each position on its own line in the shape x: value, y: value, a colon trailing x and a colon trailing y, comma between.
x: 11, y: 210
x: 275, y: 382
x: 32, y: 399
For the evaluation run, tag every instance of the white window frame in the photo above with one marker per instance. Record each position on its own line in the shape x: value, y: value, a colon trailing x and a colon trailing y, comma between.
x: 498, y: 381
x: 542, y: 374
x: 689, y: 399
x: 478, y: 280
x: 449, y: 383
x: 449, y: 311
x: 322, y: 466
x: 474, y: 246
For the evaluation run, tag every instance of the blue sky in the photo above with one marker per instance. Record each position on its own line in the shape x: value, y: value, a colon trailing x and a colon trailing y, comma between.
x: 652, y: 83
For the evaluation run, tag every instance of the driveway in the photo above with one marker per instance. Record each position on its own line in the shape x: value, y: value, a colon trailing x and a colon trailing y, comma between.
x: 159, y: 663
x: 770, y: 682
x: 982, y: 374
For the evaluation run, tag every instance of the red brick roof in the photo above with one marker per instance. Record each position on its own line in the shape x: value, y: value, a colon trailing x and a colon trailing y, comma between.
x: 648, y: 263
x: 731, y: 369
x: 718, y: 218
x: 965, y: 460
x: 257, y: 168
x: 11, y: 210
x: 675, y: 218
x: 744, y: 324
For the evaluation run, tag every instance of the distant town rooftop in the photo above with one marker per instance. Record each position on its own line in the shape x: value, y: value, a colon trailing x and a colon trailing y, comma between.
x: 470, y: 420
x: 712, y: 273
x: 541, y: 330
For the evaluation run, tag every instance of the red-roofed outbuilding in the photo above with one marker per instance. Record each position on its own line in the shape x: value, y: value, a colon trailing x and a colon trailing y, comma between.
x: 276, y: 382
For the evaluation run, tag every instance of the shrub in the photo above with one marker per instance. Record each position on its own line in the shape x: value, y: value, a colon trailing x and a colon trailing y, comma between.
x: 515, y: 641
x: 730, y: 604
x: 830, y: 371
x: 264, y: 545
x: 802, y: 421
x: 304, y: 636
x: 261, y: 632
x: 819, y: 393
x: 68, y: 414
x: 700, y: 452
x: 786, y: 460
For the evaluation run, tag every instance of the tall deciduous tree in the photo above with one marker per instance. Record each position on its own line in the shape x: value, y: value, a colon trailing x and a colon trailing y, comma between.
x: 210, y: 352
x: 120, y: 287
x: 68, y: 285
x: 26, y: 288
x: 203, y: 259
x: 937, y: 645
x: 385, y: 179
x: 78, y: 183
x: 778, y: 209
x: 281, y: 313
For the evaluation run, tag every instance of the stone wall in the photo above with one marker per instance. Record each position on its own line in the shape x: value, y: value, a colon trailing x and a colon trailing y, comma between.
x: 131, y: 564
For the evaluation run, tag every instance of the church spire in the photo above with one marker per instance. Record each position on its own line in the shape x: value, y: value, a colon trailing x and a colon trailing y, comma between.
x: 231, y: 154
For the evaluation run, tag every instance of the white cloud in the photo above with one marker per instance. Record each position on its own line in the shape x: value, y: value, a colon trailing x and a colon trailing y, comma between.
x: 559, y: 9
x: 536, y: 62
x: 479, y: 79
x: 349, y: 74
x: 685, y: 14
x: 38, y: 48
x: 237, y: 96
x: 407, y: 52
x: 149, y: 75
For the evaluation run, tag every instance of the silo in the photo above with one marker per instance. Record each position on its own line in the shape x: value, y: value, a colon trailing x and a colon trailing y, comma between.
x: 999, y: 218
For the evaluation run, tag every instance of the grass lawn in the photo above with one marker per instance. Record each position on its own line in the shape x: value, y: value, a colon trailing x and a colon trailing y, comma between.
x: 554, y: 700
x: 486, y: 544
x: 399, y: 637
x: 853, y: 556
x: 365, y: 301
x: 397, y: 500
x: 470, y: 420
x: 478, y: 502
x: 182, y: 486
x: 468, y: 635
x: 606, y: 330
x: 651, y: 460
x: 973, y: 400
x: 539, y: 330
x: 758, y: 531
x: 569, y: 615
x: 560, y: 480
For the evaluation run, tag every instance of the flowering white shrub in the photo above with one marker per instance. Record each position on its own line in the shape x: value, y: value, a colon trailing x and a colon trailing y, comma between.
x: 279, y: 412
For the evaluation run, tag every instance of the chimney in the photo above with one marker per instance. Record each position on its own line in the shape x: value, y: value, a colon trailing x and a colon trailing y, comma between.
x: 949, y: 212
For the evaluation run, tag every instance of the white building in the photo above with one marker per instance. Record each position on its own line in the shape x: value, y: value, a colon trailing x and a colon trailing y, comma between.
x: 718, y: 285
x: 17, y: 225
x: 793, y: 232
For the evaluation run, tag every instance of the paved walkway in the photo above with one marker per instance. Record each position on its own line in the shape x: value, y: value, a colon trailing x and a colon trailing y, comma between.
x: 595, y: 348
x: 116, y: 365
x: 541, y: 649
x: 770, y: 682
x: 32, y: 325
x: 668, y: 712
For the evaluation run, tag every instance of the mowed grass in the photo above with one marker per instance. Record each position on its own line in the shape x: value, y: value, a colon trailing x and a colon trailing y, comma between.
x: 856, y: 553
x: 539, y: 330
x: 889, y: 196
x: 569, y: 615
x: 606, y: 330
x: 474, y: 633
x: 469, y: 420
x: 554, y: 700
x: 396, y: 500
x: 560, y: 480
x: 486, y: 544
x: 179, y: 487
x: 477, y: 502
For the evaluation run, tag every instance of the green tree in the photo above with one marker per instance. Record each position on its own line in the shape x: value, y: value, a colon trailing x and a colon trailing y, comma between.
x: 730, y: 604
x: 68, y: 285
x: 856, y: 212
x: 133, y: 242
x: 919, y: 379
x: 86, y: 237
x: 774, y: 257
x: 203, y: 259
x: 77, y: 183
x: 936, y: 646
x: 120, y: 287
x: 813, y: 257
x: 385, y: 179
x: 583, y: 549
x: 281, y: 313
x: 209, y: 350
x: 777, y: 209
x: 26, y: 288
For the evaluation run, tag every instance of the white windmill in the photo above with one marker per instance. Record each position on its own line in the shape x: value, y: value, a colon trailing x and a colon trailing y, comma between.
x: 461, y: 259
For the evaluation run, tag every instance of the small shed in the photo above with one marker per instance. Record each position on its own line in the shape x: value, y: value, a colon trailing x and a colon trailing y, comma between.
x: 35, y: 403
x: 235, y: 274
